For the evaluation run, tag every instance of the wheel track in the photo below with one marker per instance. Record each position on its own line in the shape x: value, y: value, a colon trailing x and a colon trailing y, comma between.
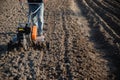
x: 66, y: 46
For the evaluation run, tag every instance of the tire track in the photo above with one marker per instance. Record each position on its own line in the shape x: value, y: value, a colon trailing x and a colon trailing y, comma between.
x: 66, y: 46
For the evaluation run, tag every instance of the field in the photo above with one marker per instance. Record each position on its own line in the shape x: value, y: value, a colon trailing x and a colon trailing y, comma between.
x: 84, y: 37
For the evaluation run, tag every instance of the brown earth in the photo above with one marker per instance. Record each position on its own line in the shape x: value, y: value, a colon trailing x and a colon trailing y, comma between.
x: 84, y: 37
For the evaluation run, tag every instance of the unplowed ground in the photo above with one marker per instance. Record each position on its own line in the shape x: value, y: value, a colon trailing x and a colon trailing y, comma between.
x: 84, y: 42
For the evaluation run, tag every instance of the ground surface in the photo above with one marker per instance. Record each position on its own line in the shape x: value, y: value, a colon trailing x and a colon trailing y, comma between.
x: 84, y: 37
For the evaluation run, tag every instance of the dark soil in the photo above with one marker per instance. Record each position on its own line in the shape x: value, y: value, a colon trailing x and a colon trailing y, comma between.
x: 84, y: 37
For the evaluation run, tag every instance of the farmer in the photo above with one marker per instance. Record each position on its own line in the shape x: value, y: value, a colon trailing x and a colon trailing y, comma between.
x: 38, y: 17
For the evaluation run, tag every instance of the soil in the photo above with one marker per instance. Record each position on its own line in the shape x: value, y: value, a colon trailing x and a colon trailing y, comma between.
x: 84, y: 38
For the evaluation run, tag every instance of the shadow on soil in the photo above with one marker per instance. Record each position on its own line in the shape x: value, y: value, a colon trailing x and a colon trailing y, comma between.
x: 112, y: 52
x: 3, y: 50
x: 3, y: 44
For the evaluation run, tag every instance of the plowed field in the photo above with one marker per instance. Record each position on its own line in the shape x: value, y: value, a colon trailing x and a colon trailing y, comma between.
x: 84, y: 37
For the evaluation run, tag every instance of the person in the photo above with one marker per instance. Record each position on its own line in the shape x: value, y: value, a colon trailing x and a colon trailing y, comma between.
x: 38, y: 17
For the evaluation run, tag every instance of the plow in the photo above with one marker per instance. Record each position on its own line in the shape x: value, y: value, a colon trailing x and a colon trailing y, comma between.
x: 26, y: 35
